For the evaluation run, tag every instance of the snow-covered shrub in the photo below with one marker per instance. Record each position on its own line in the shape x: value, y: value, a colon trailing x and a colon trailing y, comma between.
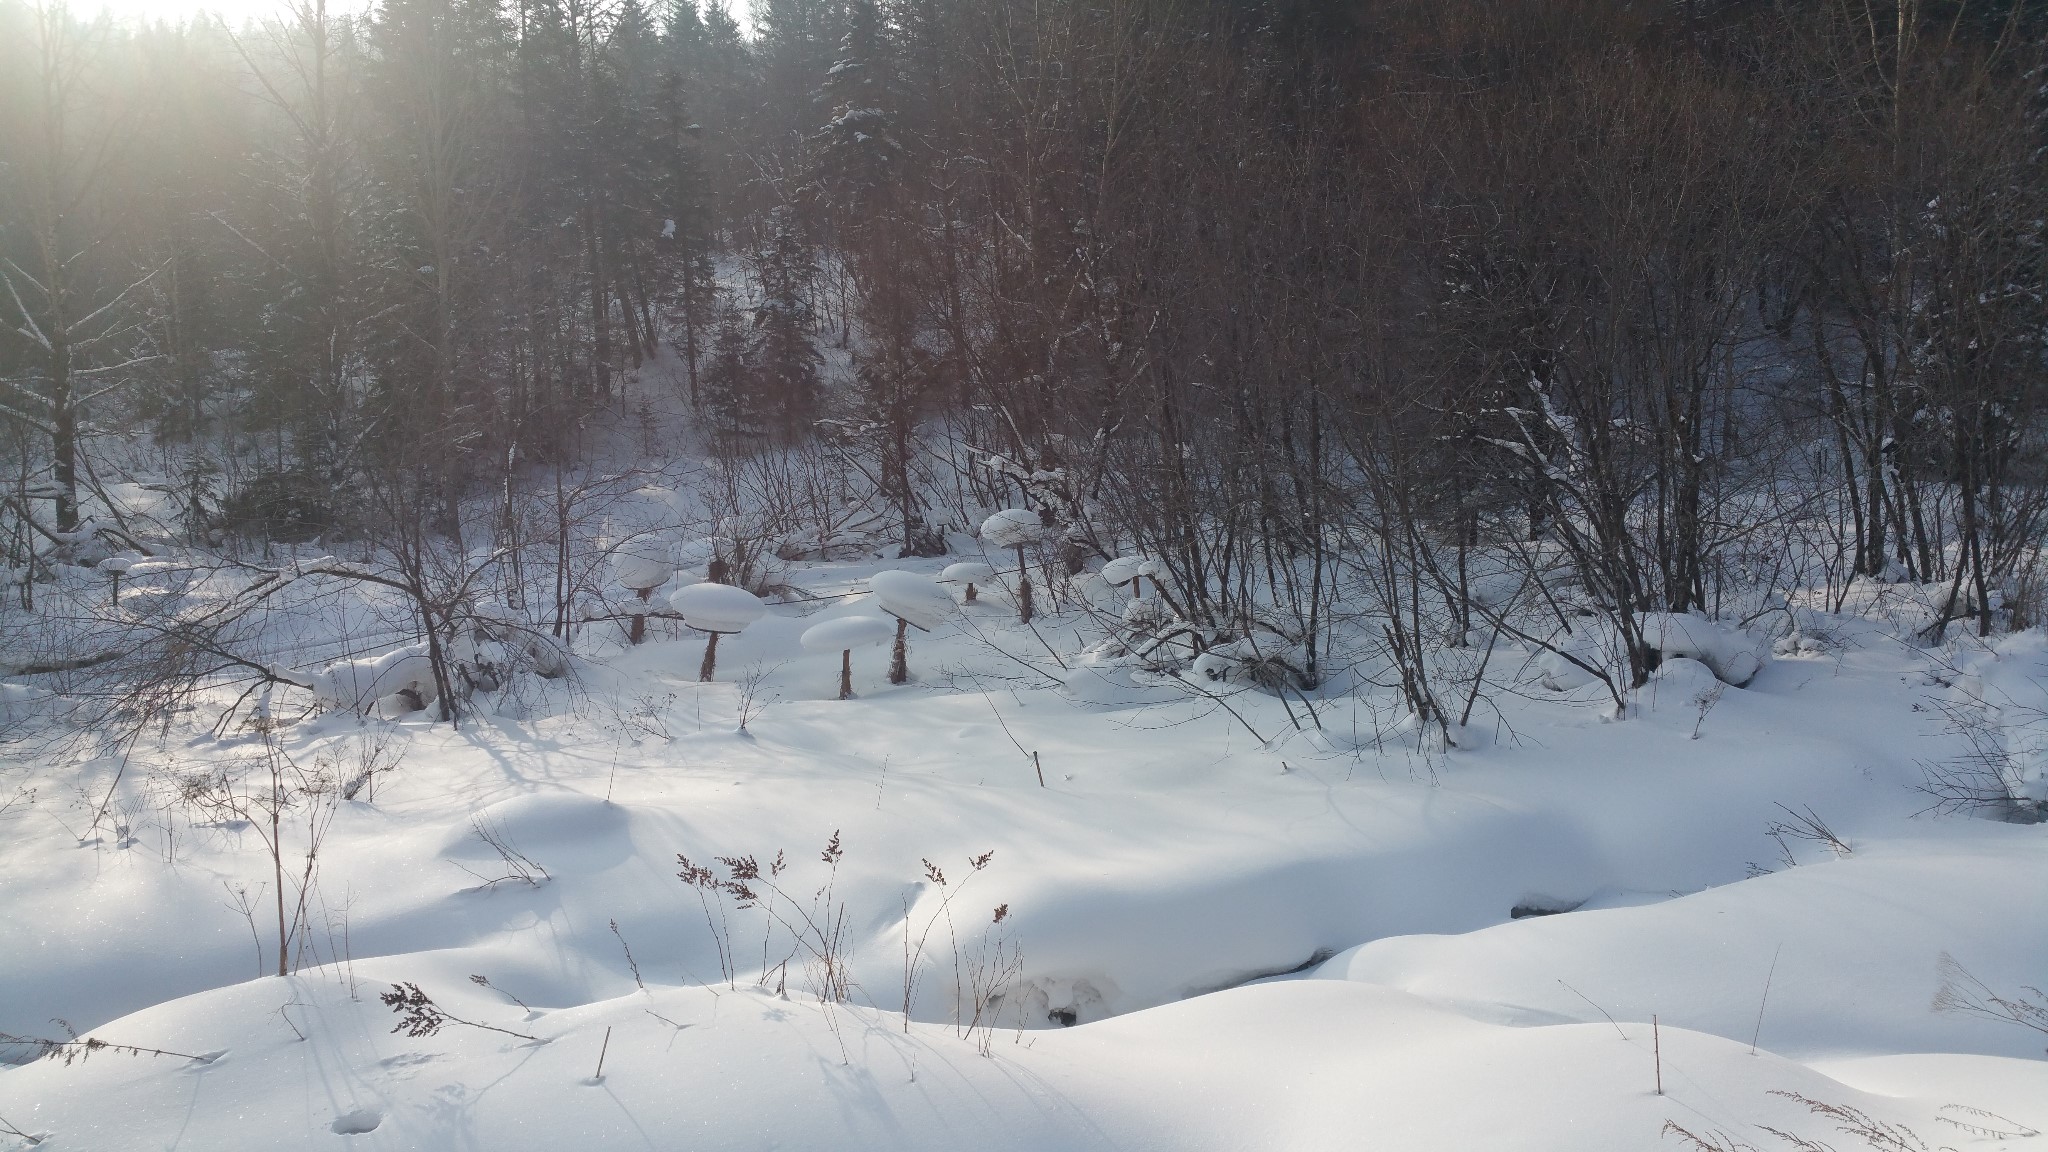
x: 287, y: 507
x: 1995, y: 701
x: 1269, y: 663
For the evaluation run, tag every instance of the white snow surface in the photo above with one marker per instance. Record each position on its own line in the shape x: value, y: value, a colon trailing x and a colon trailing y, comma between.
x: 1303, y: 939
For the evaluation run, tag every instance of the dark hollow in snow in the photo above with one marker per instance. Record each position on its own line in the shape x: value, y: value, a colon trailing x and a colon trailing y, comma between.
x: 357, y: 1122
x: 1542, y: 906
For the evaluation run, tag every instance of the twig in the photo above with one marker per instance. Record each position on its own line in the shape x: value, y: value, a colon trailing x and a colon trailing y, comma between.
x: 1657, y: 1052
x: 1596, y: 1008
x: 604, y: 1048
x: 629, y: 956
x: 7, y: 1126
x: 78, y: 1048
x: 420, y: 1016
x: 1759, y: 1031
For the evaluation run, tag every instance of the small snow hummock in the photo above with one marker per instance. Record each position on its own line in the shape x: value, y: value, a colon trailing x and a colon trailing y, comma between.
x: 1729, y: 652
x: 848, y: 632
x: 1011, y: 528
x: 911, y: 597
x: 717, y: 607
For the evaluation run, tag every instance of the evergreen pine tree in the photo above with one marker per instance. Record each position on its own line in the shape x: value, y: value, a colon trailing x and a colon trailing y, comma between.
x: 788, y: 357
x: 856, y: 152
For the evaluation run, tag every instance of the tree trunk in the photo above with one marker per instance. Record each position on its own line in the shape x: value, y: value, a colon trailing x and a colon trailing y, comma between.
x: 899, y: 656
x: 710, y: 660
x: 1023, y: 588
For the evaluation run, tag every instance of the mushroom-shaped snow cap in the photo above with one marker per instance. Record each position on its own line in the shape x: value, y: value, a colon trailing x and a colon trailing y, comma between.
x: 696, y: 553
x: 643, y: 562
x: 848, y: 632
x: 1125, y: 569
x: 908, y: 596
x: 967, y: 572
x: 717, y: 607
x: 120, y: 562
x: 1011, y: 528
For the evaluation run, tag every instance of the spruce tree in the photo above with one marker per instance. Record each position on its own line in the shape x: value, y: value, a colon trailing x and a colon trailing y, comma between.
x: 788, y: 357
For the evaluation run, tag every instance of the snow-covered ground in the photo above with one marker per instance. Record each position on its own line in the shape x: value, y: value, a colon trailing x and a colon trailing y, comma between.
x: 1315, y: 937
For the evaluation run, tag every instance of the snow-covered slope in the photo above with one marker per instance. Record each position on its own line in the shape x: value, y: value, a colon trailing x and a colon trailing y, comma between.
x: 1173, y: 888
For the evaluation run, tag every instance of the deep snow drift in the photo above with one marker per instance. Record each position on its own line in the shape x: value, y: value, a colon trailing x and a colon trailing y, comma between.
x: 1321, y: 936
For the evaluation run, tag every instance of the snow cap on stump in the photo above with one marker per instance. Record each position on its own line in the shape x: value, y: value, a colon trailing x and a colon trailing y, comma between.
x: 1125, y: 569
x: 848, y: 632
x: 908, y: 596
x: 717, y: 607
x: 642, y: 563
x: 967, y: 572
x: 1011, y: 528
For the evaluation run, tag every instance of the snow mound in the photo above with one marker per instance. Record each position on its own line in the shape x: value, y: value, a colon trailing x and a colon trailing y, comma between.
x: 553, y: 827
x: 1732, y: 654
x: 1114, y: 682
x: 1850, y: 948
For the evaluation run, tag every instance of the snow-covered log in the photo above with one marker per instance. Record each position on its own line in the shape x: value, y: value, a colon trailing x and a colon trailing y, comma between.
x: 359, y: 685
